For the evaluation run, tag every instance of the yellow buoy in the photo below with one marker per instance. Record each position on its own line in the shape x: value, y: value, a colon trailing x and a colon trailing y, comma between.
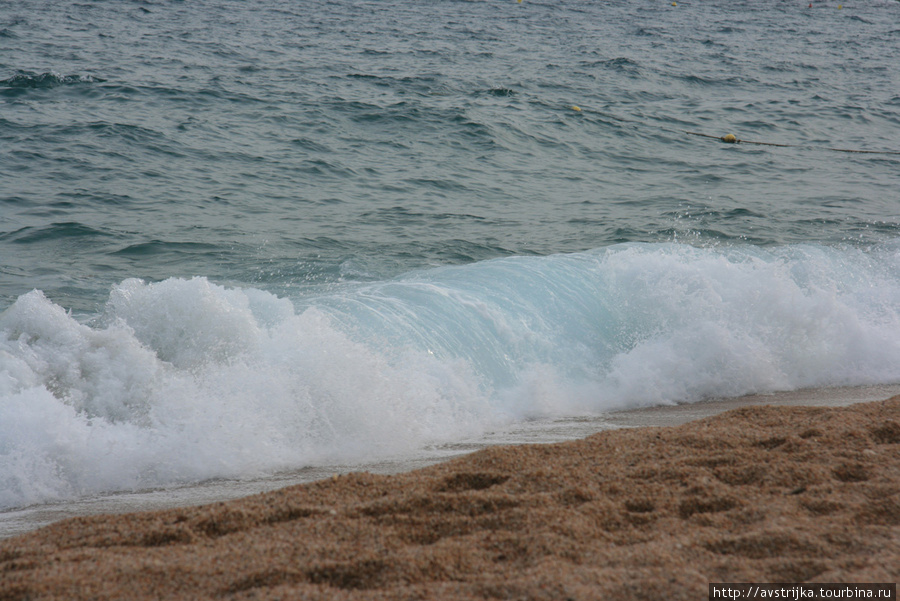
x: 674, y: 4
x: 576, y: 108
x: 730, y: 138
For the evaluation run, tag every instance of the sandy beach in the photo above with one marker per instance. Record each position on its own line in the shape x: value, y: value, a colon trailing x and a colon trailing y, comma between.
x: 755, y: 494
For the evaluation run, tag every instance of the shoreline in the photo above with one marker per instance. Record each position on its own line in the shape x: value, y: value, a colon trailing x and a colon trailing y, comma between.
x: 761, y: 493
x: 17, y: 521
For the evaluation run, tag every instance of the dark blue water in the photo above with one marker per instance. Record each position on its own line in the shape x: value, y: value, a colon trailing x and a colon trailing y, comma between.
x: 267, y: 235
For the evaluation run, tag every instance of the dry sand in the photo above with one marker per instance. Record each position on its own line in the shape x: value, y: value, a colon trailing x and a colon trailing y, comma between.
x: 757, y: 494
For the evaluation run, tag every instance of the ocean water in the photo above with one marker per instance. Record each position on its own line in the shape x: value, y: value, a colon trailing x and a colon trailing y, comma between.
x: 243, y: 239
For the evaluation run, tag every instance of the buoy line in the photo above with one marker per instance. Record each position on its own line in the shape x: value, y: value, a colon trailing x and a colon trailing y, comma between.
x: 732, y: 139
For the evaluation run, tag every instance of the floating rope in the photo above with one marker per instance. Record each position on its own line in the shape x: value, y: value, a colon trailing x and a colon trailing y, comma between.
x: 732, y: 139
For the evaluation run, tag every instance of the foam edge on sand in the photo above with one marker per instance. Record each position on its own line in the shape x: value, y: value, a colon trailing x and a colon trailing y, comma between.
x: 756, y: 494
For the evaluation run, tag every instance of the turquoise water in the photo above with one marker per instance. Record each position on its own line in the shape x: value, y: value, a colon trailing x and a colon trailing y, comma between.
x: 240, y: 238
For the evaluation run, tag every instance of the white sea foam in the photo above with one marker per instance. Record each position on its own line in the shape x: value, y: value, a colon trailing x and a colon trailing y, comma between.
x: 184, y: 380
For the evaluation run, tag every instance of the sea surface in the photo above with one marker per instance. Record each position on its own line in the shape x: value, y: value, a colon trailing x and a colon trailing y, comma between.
x: 240, y: 240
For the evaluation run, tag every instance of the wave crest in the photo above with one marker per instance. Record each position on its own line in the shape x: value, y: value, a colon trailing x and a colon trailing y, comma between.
x: 184, y: 380
x: 48, y: 79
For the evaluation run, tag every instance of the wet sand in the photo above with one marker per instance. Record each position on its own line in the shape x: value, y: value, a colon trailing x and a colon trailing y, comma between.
x: 760, y: 493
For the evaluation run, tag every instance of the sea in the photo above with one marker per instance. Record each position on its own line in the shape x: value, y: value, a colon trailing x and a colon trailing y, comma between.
x: 249, y: 243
